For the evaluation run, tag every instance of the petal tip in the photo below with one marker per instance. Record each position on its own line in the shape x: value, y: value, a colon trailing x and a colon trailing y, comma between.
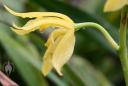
x: 58, y: 70
x: 19, y: 32
x: 45, y: 73
x: 46, y: 68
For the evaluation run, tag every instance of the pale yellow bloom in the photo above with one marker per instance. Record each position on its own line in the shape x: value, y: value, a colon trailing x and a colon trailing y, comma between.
x: 114, y: 5
x: 60, y: 44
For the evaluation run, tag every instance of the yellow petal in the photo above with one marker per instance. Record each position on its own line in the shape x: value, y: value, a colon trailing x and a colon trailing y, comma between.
x: 35, y: 24
x: 55, y: 22
x: 47, y: 59
x: 54, y: 35
x: 63, y: 51
x: 21, y: 32
x: 45, y: 22
x: 39, y: 14
x: 29, y: 25
x: 47, y: 66
x: 113, y: 5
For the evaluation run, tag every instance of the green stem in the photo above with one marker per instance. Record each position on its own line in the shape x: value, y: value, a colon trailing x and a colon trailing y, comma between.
x: 123, y: 46
x: 101, y: 29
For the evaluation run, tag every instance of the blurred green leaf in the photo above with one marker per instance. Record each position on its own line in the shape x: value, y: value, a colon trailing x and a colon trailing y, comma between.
x: 81, y: 73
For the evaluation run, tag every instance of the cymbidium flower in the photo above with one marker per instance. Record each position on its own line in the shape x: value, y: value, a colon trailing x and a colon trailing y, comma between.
x: 60, y: 44
x: 113, y: 5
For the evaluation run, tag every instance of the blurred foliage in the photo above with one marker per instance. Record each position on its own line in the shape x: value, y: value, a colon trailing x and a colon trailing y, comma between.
x: 94, y: 63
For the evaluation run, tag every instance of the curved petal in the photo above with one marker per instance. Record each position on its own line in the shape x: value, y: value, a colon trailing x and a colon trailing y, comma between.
x: 55, y: 22
x: 56, y: 36
x: 113, y: 5
x: 22, y: 32
x: 40, y: 23
x: 63, y: 51
x: 47, y: 66
x: 39, y: 14
x: 28, y: 24
x: 45, y: 22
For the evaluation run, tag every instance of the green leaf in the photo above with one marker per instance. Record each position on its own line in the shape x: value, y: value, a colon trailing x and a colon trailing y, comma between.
x: 81, y: 73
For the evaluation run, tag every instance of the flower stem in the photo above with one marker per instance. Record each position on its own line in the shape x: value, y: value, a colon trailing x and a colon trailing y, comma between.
x: 123, y: 46
x: 101, y: 29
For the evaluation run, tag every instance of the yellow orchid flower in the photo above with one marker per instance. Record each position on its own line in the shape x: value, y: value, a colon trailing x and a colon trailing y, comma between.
x: 113, y: 5
x: 60, y: 44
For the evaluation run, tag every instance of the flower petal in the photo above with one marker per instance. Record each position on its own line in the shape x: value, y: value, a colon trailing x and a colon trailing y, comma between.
x: 113, y: 5
x: 21, y: 32
x: 39, y: 14
x: 47, y: 59
x: 45, y: 22
x: 41, y: 23
x: 47, y: 66
x: 54, y: 35
x: 63, y: 51
x: 49, y: 21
